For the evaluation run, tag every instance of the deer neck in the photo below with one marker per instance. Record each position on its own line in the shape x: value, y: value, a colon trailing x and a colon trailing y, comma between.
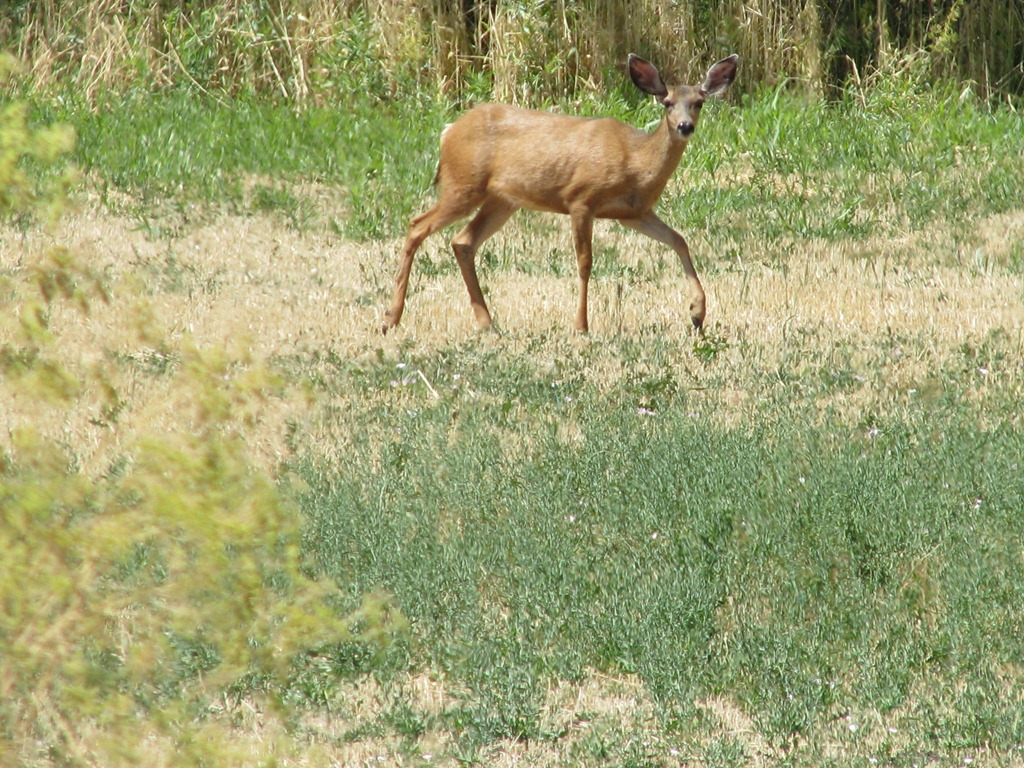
x: 668, y: 145
x: 661, y: 152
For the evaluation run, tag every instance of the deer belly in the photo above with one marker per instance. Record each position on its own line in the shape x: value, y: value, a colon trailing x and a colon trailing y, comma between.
x: 550, y: 198
x: 628, y: 206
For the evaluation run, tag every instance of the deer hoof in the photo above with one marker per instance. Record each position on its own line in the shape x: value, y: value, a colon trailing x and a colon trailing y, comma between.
x: 698, y: 323
x: 390, y: 321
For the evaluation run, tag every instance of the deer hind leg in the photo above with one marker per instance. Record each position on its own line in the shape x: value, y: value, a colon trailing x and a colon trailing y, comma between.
x: 488, y: 220
x: 650, y: 225
x: 443, y: 213
x: 583, y: 235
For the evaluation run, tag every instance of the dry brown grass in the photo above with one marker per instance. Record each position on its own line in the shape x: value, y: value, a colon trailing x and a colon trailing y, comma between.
x: 254, y: 285
x: 897, y: 310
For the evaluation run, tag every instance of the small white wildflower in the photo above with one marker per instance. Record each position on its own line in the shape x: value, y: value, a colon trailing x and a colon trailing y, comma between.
x: 400, y: 366
x: 977, y: 504
x: 874, y: 432
x: 654, y: 535
x: 645, y: 411
x: 983, y: 371
x: 571, y: 518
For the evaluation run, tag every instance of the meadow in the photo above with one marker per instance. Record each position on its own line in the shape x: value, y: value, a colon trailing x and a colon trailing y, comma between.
x: 242, y: 528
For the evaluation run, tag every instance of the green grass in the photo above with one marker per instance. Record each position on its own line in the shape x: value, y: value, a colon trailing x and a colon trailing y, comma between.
x: 847, y: 170
x: 807, y: 568
x: 900, y: 159
x: 247, y: 155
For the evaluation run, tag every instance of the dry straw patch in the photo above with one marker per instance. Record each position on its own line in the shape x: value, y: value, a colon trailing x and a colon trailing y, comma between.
x: 618, y: 712
x: 248, y: 287
x: 896, y: 311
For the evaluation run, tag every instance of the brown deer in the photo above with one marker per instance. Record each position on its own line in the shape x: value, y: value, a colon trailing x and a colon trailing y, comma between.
x: 496, y: 159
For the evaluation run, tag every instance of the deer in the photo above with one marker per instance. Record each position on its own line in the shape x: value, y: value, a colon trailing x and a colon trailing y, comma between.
x: 496, y: 159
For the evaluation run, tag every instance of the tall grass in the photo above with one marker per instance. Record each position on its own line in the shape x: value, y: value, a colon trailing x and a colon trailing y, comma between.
x: 311, y: 50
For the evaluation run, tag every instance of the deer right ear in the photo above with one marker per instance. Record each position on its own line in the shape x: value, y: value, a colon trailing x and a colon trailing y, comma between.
x: 645, y: 77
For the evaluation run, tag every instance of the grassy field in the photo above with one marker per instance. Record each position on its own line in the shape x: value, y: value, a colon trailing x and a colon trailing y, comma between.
x: 794, y: 540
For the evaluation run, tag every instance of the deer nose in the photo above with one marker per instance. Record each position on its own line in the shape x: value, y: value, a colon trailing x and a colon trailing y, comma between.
x: 685, y: 128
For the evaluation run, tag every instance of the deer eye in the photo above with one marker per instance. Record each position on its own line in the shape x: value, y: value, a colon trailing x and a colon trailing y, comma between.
x: 697, y: 105
x: 668, y: 102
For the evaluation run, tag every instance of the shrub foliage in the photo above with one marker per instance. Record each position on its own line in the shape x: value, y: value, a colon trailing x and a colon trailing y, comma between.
x: 132, y: 601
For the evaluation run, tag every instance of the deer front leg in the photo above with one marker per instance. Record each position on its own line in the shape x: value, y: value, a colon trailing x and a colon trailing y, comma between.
x: 650, y: 225
x: 583, y: 235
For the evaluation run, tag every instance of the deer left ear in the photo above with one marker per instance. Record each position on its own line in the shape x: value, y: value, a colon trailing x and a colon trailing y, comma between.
x: 720, y: 76
x: 645, y: 77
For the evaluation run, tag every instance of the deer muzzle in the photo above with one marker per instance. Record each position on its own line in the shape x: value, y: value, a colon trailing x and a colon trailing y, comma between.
x: 685, y: 128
